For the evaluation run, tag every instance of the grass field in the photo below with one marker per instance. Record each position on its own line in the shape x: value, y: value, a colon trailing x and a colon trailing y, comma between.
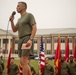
x: 34, y: 63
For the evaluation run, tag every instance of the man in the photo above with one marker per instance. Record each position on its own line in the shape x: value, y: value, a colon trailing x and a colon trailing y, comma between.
x: 13, y: 68
x: 49, y: 70
x: 72, y: 66
x: 1, y: 72
x: 26, y: 27
x: 32, y: 68
x: 64, y: 68
x: 1, y: 66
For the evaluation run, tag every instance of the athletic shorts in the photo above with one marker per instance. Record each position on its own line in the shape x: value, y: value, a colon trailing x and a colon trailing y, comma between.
x: 24, y: 52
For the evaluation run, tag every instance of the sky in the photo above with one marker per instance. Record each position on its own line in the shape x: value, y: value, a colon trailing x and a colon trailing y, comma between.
x: 48, y: 13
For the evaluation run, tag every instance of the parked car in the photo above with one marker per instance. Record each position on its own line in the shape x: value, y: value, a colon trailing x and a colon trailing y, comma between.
x: 36, y: 58
x: 51, y: 57
x: 33, y: 56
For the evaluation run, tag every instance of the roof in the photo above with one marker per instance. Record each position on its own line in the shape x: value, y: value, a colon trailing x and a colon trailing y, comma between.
x: 57, y: 31
x: 4, y: 32
x: 46, y: 31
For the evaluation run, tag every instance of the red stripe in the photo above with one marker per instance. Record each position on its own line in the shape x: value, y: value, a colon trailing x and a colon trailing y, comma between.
x: 42, y: 60
x: 42, y: 55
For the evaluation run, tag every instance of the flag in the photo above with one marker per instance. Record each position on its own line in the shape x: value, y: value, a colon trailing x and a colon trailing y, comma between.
x: 57, y: 57
x: 20, y: 69
x: 67, y: 50
x: 75, y: 52
x: 41, y: 57
x: 9, y: 58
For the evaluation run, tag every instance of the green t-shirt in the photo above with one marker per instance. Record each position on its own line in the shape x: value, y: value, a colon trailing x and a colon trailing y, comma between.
x: 24, y: 24
x: 0, y: 69
x: 49, y: 70
x: 72, y: 68
x: 64, y: 68
x: 32, y: 70
x: 13, y: 69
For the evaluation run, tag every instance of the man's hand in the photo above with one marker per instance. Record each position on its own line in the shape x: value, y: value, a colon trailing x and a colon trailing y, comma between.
x: 29, y: 42
x: 27, y: 45
x: 11, y: 18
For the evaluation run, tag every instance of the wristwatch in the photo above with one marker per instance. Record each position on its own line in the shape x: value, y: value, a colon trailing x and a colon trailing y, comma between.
x: 31, y: 39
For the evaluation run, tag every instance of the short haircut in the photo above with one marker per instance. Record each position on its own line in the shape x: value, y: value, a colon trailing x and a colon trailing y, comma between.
x: 25, y: 4
x: 12, y: 57
x: 47, y: 58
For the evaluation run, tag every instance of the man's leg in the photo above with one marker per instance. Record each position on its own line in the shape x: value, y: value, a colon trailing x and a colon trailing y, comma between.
x: 25, y: 67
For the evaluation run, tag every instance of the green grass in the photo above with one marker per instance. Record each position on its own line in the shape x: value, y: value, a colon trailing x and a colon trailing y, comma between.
x: 34, y: 63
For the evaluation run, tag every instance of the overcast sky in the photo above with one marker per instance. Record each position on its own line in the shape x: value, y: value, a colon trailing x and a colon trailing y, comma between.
x: 48, y: 13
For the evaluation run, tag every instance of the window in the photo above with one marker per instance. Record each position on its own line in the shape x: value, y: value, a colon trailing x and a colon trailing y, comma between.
x: 70, y: 51
x: 48, y: 51
x: 55, y: 40
x: 62, y: 51
x: 5, y: 51
x: 48, y: 40
x: 43, y: 40
x: 70, y: 40
x: 35, y: 40
x: 62, y: 40
x: 16, y: 41
x: 16, y: 51
x: 5, y: 40
x: 54, y: 51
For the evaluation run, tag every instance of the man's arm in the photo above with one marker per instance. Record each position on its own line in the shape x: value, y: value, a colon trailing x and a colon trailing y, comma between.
x: 14, y: 28
x: 29, y: 43
x: 34, y: 29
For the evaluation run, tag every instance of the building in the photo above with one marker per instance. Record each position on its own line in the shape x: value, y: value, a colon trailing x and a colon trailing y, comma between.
x: 50, y: 39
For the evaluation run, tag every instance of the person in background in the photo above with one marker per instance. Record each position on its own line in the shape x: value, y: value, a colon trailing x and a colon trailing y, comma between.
x: 64, y: 68
x: 32, y: 68
x: 2, y: 58
x: 72, y: 66
x: 1, y: 66
x: 48, y: 70
x: 26, y: 27
x: 14, y: 70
